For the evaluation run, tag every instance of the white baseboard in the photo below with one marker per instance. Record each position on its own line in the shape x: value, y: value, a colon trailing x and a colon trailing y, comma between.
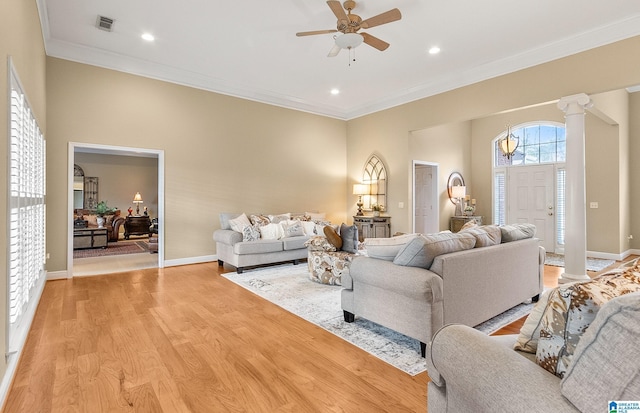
x: 611, y: 256
x: 190, y: 260
x: 58, y: 275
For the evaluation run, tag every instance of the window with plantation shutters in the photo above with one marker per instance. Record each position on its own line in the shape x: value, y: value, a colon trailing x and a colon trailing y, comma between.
x: 26, y: 215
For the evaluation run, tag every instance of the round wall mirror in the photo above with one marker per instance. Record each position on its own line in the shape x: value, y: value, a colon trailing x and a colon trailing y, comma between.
x: 455, y: 179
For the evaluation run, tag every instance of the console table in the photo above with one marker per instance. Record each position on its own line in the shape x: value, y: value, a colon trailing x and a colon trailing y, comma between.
x: 372, y: 227
x: 456, y: 223
x: 89, y: 238
x: 136, y: 225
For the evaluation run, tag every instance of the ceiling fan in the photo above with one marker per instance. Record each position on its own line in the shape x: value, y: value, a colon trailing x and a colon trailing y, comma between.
x: 349, y: 24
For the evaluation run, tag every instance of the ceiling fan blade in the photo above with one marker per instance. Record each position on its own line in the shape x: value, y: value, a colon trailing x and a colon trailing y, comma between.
x: 336, y: 8
x: 334, y: 51
x: 375, y: 42
x: 311, y: 33
x: 386, y: 17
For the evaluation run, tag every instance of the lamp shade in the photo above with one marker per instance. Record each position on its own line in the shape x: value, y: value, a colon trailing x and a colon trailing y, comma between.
x: 360, y: 189
x: 458, y: 191
x: 137, y: 198
x: 349, y: 40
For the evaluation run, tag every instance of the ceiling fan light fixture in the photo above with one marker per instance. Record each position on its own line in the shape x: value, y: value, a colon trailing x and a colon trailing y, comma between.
x: 349, y: 40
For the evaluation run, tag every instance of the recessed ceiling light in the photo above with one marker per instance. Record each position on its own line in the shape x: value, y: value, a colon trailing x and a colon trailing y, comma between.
x: 148, y: 37
x: 434, y: 50
x: 335, y: 91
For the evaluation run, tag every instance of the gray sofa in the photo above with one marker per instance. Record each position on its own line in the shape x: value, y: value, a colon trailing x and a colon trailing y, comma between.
x: 467, y: 287
x: 231, y: 248
x: 473, y: 372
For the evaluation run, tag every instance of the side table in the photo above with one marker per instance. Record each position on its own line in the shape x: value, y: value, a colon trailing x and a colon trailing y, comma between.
x: 372, y: 227
x: 136, y: 225
x: 89, y: 238
x: 456, y: 223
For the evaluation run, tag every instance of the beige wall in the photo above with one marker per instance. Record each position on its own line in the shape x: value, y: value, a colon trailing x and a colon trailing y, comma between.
x: 448, y: 146
x: 221, y: 153
x: 599, y: 70
x: 120, y: 177
x: 20, y: 38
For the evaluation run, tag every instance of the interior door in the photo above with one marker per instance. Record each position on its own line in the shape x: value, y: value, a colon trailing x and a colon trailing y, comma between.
x: 425, y: 197
x: 531, y: 197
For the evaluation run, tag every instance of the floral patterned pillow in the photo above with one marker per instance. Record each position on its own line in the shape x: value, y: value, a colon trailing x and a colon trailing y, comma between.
x: 570, y: 311
x: 319, y: 243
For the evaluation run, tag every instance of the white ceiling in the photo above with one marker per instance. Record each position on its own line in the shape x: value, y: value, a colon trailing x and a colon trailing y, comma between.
x: 249, y: 49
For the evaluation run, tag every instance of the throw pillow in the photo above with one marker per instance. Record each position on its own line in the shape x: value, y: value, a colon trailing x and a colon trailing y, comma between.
x: 571, y: 310
x: 309, y: 228
x: 292, y: 229
x: 349, y: 235
x: 250, y: 233
x: 333, y: 237
x: 387, y: 248
x: 469, y: 224
x: 527, y: 340
x: 276, y: 219
x: 517, y: 232
x: 422, y: 250
x: 271, y: 231
x: 316, y: 216
x: 485, y: 235
x: 259, y: 220
x: 319, y: 243
x: 238, y: 224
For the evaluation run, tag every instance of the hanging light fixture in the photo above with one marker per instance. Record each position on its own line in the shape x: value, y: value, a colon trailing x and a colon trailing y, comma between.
x: 509, y: 143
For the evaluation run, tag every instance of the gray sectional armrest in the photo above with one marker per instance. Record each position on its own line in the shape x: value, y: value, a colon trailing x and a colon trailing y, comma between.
x: 480, y: 375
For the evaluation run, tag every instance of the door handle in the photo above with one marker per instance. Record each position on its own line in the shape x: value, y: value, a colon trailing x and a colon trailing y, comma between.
x: 549, y: 213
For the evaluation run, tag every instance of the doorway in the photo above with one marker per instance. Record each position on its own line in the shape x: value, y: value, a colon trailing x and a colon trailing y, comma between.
x: 531, y: 192
x: 117, y: 263
x: 425, y: 197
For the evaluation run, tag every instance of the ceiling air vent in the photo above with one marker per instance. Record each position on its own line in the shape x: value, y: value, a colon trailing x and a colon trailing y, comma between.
x: 104, y: 23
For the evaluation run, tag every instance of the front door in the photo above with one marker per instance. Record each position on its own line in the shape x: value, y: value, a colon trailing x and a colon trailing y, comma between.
x: 531, y: 197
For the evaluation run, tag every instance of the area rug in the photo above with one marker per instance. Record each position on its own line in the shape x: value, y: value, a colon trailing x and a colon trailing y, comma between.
x: 593, y: 264
x: 113, y: 248
x: 289, y: 287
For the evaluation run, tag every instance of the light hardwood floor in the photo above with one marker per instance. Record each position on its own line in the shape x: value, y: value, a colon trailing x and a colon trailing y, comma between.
x: 184, y: 339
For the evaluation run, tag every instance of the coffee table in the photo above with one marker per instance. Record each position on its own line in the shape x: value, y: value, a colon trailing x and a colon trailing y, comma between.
x: 89, y: 238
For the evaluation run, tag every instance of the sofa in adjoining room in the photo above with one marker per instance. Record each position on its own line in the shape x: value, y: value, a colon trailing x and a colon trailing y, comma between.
x: 577, y: 352
x: 84, y: 218
x: 414, y: 284
x: 257, y: 239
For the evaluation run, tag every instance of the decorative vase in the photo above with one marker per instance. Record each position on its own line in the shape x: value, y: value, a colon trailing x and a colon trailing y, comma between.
x: 100, y: 221
x: 376, y: 213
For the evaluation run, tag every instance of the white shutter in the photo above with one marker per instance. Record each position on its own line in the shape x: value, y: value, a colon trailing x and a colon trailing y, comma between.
x: 560, y: 206
x: 499, y: 196
x: 26, y: 217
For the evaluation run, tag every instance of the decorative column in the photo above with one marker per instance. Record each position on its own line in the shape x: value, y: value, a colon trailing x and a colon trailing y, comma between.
x: 575, y: 240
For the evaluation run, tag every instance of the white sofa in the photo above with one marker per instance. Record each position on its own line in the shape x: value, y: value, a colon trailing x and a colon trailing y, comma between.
x: 234, y: 250
x: 467, y: 286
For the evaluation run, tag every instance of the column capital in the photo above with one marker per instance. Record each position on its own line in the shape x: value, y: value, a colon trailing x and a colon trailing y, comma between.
x: 575, y: 104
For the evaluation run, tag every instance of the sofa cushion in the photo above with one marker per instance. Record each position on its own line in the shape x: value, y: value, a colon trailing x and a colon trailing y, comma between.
x: 238, y: 223
x: 271, y: 231
x: 606, y: 363
x: 257, y: 247
x: 332, y: 237
x: 349, y: 235
x: 276, y: 219
x: 259, y: 220
x: 294, y: 243
x: 515, y: 232
x: 387, y: 248
x: 485, y: 235
x: 224, y: 219
x: 316, y: 216
x: 571, y: 310
x: 421, y: 251
x: 250, y: 233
